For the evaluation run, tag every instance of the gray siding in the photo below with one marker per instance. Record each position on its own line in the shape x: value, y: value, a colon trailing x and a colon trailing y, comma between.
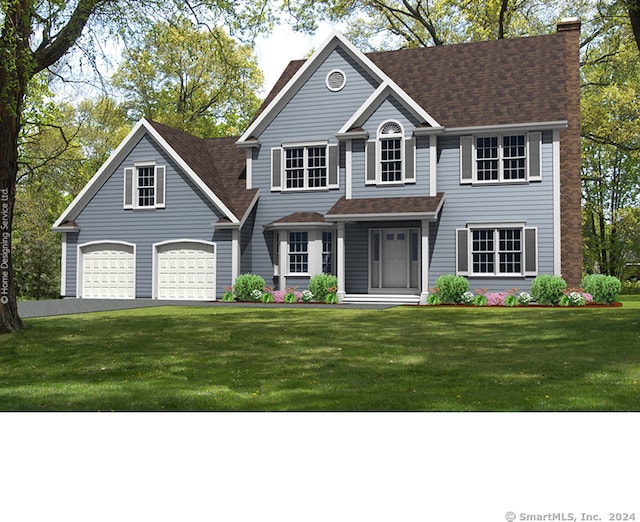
x: 530, y: 203
x: 314, y: 113
x: 188, y: 215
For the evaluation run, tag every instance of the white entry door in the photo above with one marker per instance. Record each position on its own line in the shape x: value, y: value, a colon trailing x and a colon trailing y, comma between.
x: 186, y: 270
x: 108, y: 271
x: 394, y: 259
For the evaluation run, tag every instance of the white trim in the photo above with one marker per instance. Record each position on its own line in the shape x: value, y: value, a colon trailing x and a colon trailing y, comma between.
x: 340, y: 261
x: 348, y: 190
x: 306, y: 71
x: 305, y: 146
x: 504, y: 128
x: 154, y: 262
x: 500, y: 159
x: 395, y: 136
x: 249, y: 168
x: 424, y: 261
x: 557, y: 230
x: 522, y: 226
x: 118, y: 156
x: 342, y: 85
x: 384, y: 90
x: 63, y: 266
x: 433, y: 165
x: 80, y: 261
x: 235, y: 254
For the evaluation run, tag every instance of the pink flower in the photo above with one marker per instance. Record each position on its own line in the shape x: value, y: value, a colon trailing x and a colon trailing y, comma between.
x: 496, y: 298
x: 278, y: 296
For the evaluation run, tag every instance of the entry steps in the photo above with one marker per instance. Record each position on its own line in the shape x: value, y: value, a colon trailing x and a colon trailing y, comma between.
x: 399, y: 299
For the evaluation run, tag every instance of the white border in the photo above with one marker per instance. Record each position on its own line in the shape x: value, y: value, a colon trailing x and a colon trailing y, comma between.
x: 80, y: 260
x: 344, y: 80
x: 154, y: 265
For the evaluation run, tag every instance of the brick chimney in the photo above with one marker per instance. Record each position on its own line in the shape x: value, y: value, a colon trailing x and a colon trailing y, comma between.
x: 570, y: 162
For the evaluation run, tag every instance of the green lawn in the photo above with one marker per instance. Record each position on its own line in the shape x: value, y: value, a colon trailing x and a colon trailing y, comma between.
x: 271, y: 358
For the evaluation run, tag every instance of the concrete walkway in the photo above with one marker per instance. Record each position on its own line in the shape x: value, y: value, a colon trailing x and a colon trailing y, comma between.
x: 45, y: 308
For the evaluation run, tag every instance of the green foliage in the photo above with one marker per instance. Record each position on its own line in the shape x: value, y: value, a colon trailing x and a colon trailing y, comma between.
x: 322, y: 285
x: 198, y: 81
x: 332, y: 298
x: 267, y: 297
x: 548, y: 289
x: 228, y: 297
x: 434, y: 299
x: 603, y: 288
x: 290, y: 297
x: 480, y: 300
x: 283, y: 359
x: 630, y: 287
x: 245, y: 284
x: 451, y: 287
x: 511, y: 300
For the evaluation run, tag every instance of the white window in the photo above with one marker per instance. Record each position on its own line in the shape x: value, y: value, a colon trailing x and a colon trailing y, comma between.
x: 144, y: 186
x: 390, y: 159
x: 497, y: 250
x: 311, y: 166
x: 500, y: 159
x: 298, y: 253
x: 327, y: 252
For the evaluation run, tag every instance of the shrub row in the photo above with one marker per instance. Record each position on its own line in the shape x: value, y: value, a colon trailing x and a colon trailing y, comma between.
x: 252, y: 288
x: 545, y: 290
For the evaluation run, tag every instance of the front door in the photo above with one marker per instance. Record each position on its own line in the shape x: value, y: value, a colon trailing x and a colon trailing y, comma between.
x: 393, y: 260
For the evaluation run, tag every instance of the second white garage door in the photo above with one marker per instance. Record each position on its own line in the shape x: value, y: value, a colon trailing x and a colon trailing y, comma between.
x: 186, y: 270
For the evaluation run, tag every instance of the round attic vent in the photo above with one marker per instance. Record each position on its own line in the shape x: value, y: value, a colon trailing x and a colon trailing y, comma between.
x: 336, y: 80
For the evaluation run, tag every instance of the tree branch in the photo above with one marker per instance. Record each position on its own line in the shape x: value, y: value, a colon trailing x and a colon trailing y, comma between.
x: 53, y: 48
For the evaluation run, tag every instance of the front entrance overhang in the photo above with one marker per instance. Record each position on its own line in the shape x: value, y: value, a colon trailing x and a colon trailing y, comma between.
x: 387, y: 209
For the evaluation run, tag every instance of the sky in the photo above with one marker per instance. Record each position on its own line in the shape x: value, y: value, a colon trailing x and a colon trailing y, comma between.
x: 283, y: 44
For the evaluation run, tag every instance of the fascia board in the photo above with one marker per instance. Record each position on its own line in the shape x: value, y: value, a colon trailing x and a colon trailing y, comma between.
x: 384, y: 90
x: 194, y: 177
x: 127, y: 145
x: 302, y: 75
x: 94, y: 184
x: 432, y: 216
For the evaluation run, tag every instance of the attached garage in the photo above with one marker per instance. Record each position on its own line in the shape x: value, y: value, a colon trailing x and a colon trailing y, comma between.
x: 107, y: 270
x: 185, y: 270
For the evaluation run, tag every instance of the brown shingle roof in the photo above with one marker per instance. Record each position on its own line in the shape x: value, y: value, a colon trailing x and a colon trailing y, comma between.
x: 519, y: 80
x: 218, y: 163
x: 301, y: 217
x: 398, y: 205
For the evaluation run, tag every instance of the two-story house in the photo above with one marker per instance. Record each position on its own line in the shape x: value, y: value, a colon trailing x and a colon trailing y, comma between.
x: 387, y: 169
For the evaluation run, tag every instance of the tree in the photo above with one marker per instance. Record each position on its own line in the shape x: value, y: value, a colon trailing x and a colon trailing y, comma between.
x: 421, y: 23
x: 611, y: 147
x: 34, y: 36
x: 198, y: 81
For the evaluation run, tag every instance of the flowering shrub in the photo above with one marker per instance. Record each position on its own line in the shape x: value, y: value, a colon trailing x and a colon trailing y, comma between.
x: 245, y: 284
x: 306, y: 296
x: 572, y: 298
x: 467, y: 298
x: 496, y: 298
x: 524, y: 298
x: 256, y: 295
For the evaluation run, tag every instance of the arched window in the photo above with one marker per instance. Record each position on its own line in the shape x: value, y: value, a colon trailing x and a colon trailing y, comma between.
x: 390, y: 139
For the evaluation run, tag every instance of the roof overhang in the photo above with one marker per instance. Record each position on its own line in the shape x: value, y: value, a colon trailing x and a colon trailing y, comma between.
x: 118, y: 156
x: 387, y: 209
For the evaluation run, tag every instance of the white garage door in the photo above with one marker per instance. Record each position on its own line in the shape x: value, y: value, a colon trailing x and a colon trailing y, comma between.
x: 186, y: 270
x: 108, y: 271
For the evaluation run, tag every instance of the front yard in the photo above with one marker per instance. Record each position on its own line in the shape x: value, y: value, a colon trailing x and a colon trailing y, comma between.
x: 272, y: 358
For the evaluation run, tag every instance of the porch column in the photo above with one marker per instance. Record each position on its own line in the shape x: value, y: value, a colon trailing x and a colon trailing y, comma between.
x: 235, y: 254
x: 340, y: 262
x: 424, y: 261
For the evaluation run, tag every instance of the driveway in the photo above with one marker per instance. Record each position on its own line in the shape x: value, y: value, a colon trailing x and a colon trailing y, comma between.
x: 45, y: 308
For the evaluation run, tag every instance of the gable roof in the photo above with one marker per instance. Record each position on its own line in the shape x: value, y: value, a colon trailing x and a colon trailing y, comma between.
x: 216, y: 166
x: 289, y: 85
x: 497, y: 82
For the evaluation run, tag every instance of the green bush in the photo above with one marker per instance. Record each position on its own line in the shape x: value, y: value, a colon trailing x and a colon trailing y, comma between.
x: 603, y: 288
x: 630, y: 287
x: 245, y: 284
x: 322, y: 285
x: 548, y: 289
x: 451, y: 287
